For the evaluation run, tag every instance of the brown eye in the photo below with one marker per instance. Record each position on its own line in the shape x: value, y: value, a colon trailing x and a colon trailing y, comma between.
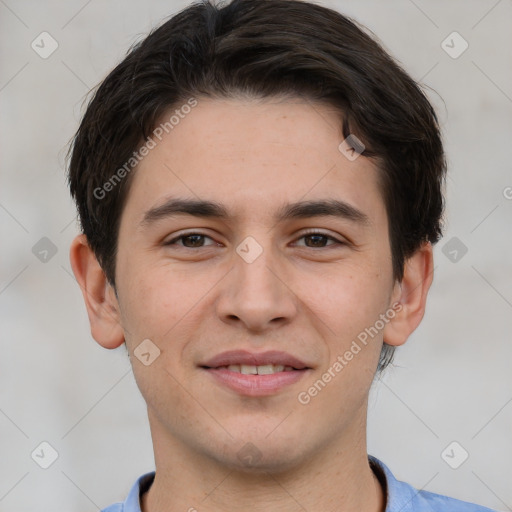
x: 193, y: 240
x: 190, y: 240
x: 319, y: 240
x: 316, y: 240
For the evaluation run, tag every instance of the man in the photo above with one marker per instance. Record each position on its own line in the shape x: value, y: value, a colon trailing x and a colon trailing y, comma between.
x: 259, y: 186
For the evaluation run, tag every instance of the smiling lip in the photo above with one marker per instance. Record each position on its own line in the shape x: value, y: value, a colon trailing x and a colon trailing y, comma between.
x: 255, y: 385
x: 255, y: 359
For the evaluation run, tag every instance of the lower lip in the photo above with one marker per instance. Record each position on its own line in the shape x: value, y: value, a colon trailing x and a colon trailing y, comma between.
x: 256, y: 385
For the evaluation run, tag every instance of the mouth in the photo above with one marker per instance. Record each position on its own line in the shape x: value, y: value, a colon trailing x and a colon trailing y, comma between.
x: 264, y: 369
x: 243, y: 361
x: 256, y: 374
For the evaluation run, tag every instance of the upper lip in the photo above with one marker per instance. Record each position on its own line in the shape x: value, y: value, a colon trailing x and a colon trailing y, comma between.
x: 255, y: 359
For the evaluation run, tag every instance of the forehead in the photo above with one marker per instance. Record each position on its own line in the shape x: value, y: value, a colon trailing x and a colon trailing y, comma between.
x: 252, y: 156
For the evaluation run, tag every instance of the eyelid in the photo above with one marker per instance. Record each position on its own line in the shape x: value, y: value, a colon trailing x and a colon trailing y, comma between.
x: 184, y: 234
x: 313, y: 231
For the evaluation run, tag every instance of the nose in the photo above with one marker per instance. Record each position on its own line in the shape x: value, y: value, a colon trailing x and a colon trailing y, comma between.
x: 257, y: 294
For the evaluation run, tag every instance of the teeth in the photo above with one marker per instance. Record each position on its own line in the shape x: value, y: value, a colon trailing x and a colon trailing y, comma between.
x: 265, y: 369
x: 247, y: 369
x: 268, y: 369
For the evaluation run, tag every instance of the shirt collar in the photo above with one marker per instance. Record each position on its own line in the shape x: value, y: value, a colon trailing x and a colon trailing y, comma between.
x: 141, y: 485
x: 398, y: 494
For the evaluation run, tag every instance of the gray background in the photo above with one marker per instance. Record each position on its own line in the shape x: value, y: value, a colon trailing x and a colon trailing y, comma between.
x: 451, y: 381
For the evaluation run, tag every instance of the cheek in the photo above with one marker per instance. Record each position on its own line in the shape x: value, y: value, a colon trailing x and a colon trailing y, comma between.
x: 162, y: 302
x: 342, y: 308
x: 155, y: 306
x: 346, y: 298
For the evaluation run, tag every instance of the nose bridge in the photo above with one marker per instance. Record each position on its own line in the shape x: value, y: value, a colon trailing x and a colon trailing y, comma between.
x: 253, y: 267
x: 256, y: 294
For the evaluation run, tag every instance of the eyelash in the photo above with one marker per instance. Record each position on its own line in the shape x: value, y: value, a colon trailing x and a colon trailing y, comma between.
x: 305, y: 234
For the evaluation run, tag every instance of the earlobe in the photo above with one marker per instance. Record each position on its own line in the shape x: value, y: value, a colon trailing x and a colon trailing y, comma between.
x: 411, y: 293
x: 99, y: 296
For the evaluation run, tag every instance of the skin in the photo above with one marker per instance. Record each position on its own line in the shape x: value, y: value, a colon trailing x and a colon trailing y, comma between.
x: 308, y: 300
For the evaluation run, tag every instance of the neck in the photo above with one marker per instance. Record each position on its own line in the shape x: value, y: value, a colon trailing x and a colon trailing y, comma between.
x: 337, y: 477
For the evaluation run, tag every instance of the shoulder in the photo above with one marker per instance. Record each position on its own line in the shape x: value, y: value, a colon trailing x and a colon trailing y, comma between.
x: 404, y: 498
x: 116, y: 507
x: 437, y: 502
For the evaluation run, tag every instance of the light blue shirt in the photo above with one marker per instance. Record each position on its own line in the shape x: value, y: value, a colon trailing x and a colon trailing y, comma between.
x: 401, y: 497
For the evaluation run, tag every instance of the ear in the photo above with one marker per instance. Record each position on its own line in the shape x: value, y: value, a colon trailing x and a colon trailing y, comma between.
x: 99, y: 295
x: 411, y: 294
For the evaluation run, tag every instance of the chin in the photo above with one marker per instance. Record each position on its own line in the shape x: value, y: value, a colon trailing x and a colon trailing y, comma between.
x: 260, y: 451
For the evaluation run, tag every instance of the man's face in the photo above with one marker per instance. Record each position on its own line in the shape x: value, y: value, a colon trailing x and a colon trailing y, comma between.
x: 254, y: 282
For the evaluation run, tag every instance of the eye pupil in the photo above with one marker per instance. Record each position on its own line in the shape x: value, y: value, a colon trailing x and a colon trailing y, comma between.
x: 316, y: 237
x: 196, y: 237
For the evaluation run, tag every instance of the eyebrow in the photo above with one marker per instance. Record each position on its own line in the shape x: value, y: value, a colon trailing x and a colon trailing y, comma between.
x: 298, y: 210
